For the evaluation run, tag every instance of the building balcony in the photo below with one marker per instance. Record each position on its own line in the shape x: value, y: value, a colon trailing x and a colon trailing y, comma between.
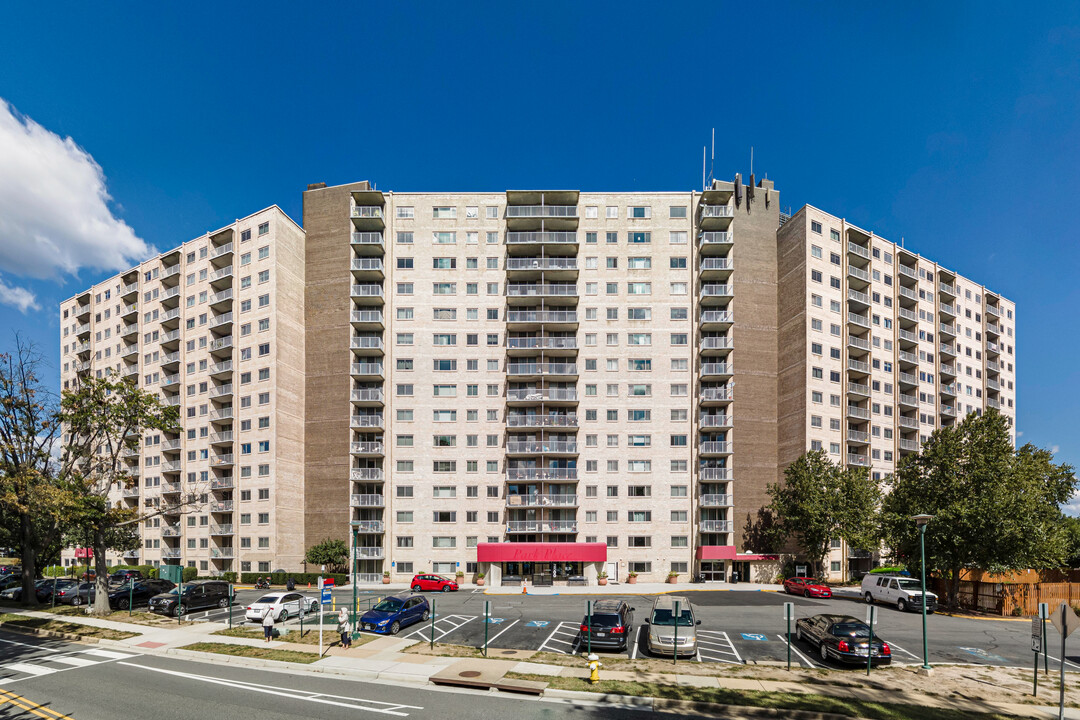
x: 172, y: 445
x: 170, y: 359
x: 858, y: 276
x: 366, y: 343
x: 908, y: 294
x: 129, y: 350
x: 84, y: 366
x: 367, y: 474
x: 366, y: 370
x: 222, y: 345
x: 540, y: 211
x: 367, y: 268
x: 716, y: 240
x: 947, y: 369
x: 908, y: 379
x: 947, y: 330
x: 129, y: 312
x: 860, y: 300
x: 125, y: 291
x: 992, y: 384
x: 908, y: 316
x: 947, y: 289
x: 541, y: 317
x: 994, y: 311
x: 545, y: 342
x: 367, y: 243
x: 221, y: 438
x: 858, y: 343
x: 533, y: 420
x: 222, y: 277
x: 541, y: 264
x: 858, y: 320
x: 714, y: 292
x: 131, y: 492
x: 908, y: 358
x: 128, y: 371
x: 541, y: 447
x: 908, y: 401
x: 906, y: 336
x: 542, y: 238
x: 170, y: 531
x: 715, y: 268
x: 368, y: 447
x: 544, y: 474
x: 947, y: 309
x: 368, y: 527
x: 717, y: 526
x: 170, y: 380
x: 220, y: 506
x: 858, y: 250
x: 545, y: 290
x: 858, y: 437
x: 171, y: 271
x: 716, y: 319
x: 948, y: 411
x: 908, y: 445
x: 363, y: 396
x: 366, y: 318
x: 80, y: 348
x: 82, y: 311
x: 221, y: 300
x: 538, y: 369
x: 992, y: 348
x: 710, y: 421
x: 223, y: 321
x: 368, y: 212
x: 714, y: 447
x: 858, y: 366
x: 858, y: 460
x: 367, y: 294
x: 993, y: 329
x: 858, y: 412
x: 221, y: 553
x: 908, y: 423
x: 717, y: 394
x: 366, y: 501
x: 907, y: 271
x: 221, y: 414
x: 541, y: 526
x: 948, y: 389
x: 172, y: 466
x: 535, y: 395
x: 367, y: 420
x: 712, y: 500
x: 170, y: 553
x: 224, y: 529
x: 854, y: 388
x: 368, y: 553
x: 947, y: 349
x: 716, y: 345
x: 545, y: 500
x: 170, y: 488
x: 221, y: 251
x: 717, y: 370
x: 221, y: 392
x: 714, y: 474
x: 84, y: 330
x: 170, y: 294
x: 716, y: 211
x: 218, y: 461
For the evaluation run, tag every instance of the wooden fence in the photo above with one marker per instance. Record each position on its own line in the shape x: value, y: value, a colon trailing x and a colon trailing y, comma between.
x: 1009, y: 599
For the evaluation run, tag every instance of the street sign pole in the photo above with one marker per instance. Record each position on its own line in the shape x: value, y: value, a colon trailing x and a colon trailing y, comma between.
x: 320, y: 615
x: 871, y: 618
x: 675, y: 647
x: 232, y: 599
x: 1044, y: 613
x: 431, y: 643
x: 487, y: 622
x: 588, y: 624
x: 789, y: 613
x: 1036, y: 642
x: 1064, y: 634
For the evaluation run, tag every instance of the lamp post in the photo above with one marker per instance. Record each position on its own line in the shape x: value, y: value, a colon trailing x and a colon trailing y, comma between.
x: 352, y: 561
x: 921, y: 521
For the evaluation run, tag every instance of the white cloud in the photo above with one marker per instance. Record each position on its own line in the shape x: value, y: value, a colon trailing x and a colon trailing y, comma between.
x: 1072, y: 507
x: 18, y: 297
x: 1019, y: 434
x: 1054, y: 449
x: 54, y: 208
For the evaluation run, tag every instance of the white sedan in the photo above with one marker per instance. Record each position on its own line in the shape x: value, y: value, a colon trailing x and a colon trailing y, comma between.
x: 281, y: 606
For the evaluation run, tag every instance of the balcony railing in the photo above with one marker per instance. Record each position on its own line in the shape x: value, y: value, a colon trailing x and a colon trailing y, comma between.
x: 541, y: 290
x: 219, y: 320
x: 541, y: 316
x: 717, y: 263
x: 221, y: 437
x: 225, y: 529
x: 908, y: 335
x: 221, y: 506
x: 906, y: 356
x: 221, y: 343
x: 539, y: 421
x: 368, y: 395
x: 906, y: 314
x: 367, y: 526
x: 221, y: 250
x: 909, y: 293
x: 717, y: 343
x: 170, y: 488
x: 715, y: 420
x: 858, y: 296
x: 368, y: 553
x: 367, y: 316
x: 367, y: 238
x: 858, y: 436
x: 366, y: 500
x: 909, y: 378
x: 716, y: 290
x: 715, y: 500
x: 715, y: 447
x: 909, y: 423
x: 947, y: 288
x: 720, y: 394
x: 224, y: 272
x: 909, y: 400
x: 221, y: 390
x: 368, y: 211
x: 860, y: 320
x: 541, y: 526
x: 857, y: 273
x: 366, y: 421
x: 367, y: 291
x: 858, y: 342
x: 858, y: 388
x: 541, y: 368
x: 170, y: 552
x: 858, y: 250
x: 366, y: 475
x: 221, y: 460
x: 367, y: 368
x: 909, y: 445
x: 546, y: 500
x: 858, y: 365
x: 550, y: 474
x: 366, y: 448
x: 908, y: 271
x: 991, y: 310
x: 859, y: 460
x: 221, y: 296
x: 717, y: 526
x: 221, y: 552
x: 366, y: 342
x: 717, y: 211
x: 857, y: 412
x: 716, y: 238
x: 537, y: 394
x: 541, y: 446
x: 544, y: 342
x: 716, y: 368
x: 541, y: 211
x: 717, y: 316
x: 529, y: 238
x: 715, y: 474
x: 170, y: 531
x: 541, y: 263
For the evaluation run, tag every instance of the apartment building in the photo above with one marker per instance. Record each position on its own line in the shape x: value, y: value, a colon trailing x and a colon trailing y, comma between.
x: 539, y: 385
x: 878, y: 348
x: 216, y: 326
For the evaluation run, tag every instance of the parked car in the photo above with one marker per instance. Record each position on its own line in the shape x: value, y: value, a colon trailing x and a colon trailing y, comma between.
x: 14, y: 593
x: 79, y: 593
x: 843, y: 638
x: 122, y: 576
x: 906, y: 593
x: 393, y: 613
x: 807, y: 587
x: 281, y: 605
x: 438, y: 583
x: 10, y: 581
x: 665, y: 629
x: 610, y: 626
x: 138, y: 593
x: 197, y: 595
x: 54, y: 586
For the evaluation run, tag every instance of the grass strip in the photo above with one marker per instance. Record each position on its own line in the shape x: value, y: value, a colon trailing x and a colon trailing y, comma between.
x: 14, y: 621
x: 311, y: 636
x: 847, y: 706
x: 263, y: 653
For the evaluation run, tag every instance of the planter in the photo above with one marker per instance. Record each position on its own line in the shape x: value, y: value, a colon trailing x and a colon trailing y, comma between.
x: 385, y: 580
x: 480, y: 582
x: 672, y: 580
x: 601, y: 581
x: 632, y: 579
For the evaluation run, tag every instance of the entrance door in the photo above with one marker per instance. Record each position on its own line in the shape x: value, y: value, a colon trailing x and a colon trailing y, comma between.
x: 613, y: 571
x: 713, y: 570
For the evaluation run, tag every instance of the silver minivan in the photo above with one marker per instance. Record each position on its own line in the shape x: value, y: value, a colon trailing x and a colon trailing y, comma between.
x: 669, y: 634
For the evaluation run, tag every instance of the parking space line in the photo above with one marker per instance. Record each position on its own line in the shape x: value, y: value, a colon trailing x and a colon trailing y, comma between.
x: 546, y: 645
x: 1067, y: 662
x: 796, y: 650
x: 634, y: 640
x: 491, y: 640
x: 723, y: 643
x: 440, y: 623
x: 897, y: 647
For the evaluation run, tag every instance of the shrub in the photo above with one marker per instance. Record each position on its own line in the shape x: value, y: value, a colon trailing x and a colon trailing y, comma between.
x: 298, y: 578
x: 228, y: 576
x: 190, y: 574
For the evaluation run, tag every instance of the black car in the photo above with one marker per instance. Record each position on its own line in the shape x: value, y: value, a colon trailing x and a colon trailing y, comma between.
x: 10, y: 581
x: 610, y: 627
x: 122, y: 576
x: 843, y: 638
x: 197, y: 595
x: 138, y: 593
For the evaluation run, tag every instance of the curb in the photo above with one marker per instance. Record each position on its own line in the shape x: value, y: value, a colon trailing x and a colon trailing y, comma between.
x: 684, y: 707
x: 49, y: 633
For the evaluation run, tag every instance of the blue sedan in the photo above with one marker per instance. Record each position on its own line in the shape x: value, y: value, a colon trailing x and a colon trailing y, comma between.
x: 393, y: 613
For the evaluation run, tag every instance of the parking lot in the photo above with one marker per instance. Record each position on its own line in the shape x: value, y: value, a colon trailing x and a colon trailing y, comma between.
x: 736, y: 627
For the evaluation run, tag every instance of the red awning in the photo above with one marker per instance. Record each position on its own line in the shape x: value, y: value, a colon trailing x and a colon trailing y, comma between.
x: 541, y: 552
x: 716, y: 552
x: 754, y: 557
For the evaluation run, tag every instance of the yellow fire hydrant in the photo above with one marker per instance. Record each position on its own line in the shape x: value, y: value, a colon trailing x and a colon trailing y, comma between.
x: 594, y: 668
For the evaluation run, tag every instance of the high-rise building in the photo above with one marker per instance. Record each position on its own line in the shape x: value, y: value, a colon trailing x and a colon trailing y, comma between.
x: 216, y: 326
x: 878, y: 348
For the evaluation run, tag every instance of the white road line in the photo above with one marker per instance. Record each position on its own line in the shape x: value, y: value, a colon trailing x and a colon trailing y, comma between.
x: 897, y: 647
x: 108, y: 654
x: 30, y: 669
x: 732, y: 646
x: 552, y: 638
x: 389, y: 709
x: 548, y: 638
x: 35, y: 647
x: 74, y: 661
x: 633, y: 650
x: 491, y: 640
x: 1067, y: 662
x: 796, y: 650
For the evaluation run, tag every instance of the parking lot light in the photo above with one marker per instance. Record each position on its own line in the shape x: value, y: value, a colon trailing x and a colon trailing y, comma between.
x: 921, y: 521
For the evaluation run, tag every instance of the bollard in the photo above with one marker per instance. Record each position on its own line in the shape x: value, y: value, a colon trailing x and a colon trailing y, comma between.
x: 431, y: 644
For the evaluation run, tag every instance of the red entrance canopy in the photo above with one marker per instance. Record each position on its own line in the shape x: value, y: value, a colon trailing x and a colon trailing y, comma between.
x: 716, y: 552
x: 541, y: 552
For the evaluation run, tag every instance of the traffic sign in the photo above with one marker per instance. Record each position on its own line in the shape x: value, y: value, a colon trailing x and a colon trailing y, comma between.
x: 871, y: 614
x: 1044, y: 611
x: 1036, y: 635
x: 789, y: 611
x: 1065, y: 620
x: 327, y: 595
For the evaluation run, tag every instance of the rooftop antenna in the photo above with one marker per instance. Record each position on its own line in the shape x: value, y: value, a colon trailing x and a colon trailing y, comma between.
x: 712, y: 159
x: 901, y: 241
x: 704, y: 151
x: 751, y: 159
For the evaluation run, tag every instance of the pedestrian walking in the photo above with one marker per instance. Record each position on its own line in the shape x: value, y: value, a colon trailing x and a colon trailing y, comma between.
x: 268, y: 625
x: 343, y: 628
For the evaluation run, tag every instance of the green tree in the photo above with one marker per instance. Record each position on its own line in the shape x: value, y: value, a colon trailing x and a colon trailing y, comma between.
x: 820, y: 501
x: 334, y: 554
x: 35, y: 496
x: 103, y: 417
x: 1072, y: 534
x: 995, y: 508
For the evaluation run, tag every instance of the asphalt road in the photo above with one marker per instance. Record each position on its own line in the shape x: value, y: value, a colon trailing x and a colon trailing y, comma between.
x: 41, y: 678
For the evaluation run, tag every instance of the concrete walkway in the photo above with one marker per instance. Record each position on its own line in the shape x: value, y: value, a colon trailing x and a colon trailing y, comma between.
x: 384, y: 658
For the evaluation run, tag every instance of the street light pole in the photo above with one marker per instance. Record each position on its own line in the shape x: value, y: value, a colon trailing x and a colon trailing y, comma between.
x: 352, y: 560
x: 921, y: 521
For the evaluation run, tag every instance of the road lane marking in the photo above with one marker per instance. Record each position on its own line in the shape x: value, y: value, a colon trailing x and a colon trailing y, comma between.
x: 108, y: 654
x: 720, y: 637
x: 796, y: 650
x: 29, y: 669
x: 321, y: 698
x: 491, y: 640
x: 1067, y: 662
x: 30, y: 706
x: 897, y: 647
x: 35, y: 647
x: 74, y: 661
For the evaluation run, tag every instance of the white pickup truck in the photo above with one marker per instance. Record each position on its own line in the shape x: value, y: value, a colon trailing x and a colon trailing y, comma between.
x: 904, y: 592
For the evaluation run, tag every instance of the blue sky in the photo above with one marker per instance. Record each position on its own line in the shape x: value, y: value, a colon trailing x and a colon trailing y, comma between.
x: 953, y: 125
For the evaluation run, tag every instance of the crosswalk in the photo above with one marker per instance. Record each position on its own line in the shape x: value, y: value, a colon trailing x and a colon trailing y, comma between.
x: 14, y: 672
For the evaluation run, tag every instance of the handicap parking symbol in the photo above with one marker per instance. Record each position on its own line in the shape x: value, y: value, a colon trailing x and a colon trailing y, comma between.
x: 980, y: 653
x: 494, y: 621
x: 755, y: 636
x: 537, y: 623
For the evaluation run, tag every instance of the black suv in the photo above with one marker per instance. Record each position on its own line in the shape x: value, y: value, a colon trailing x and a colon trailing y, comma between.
x: 122, y: 576
x: 197, y: 595
x: 611, y: 627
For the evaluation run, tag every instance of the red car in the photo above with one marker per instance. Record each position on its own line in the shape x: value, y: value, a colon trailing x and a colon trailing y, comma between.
x: 438, y: 583
x: 807, y: 587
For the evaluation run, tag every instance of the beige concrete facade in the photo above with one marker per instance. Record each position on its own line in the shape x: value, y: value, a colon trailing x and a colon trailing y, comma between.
x: 217, y: 326
x: 880, y: 347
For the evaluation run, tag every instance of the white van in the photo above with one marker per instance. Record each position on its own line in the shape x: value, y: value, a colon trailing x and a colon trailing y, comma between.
x: 904, y: 592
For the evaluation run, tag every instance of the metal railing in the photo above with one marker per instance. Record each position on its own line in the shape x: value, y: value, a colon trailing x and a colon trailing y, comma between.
x: 713, y: 474
x: 857, y: 412
x: 717, y: 316
x: 858, y: 250
x: 717, y: 263
x: 366, y: 500
x: 368, y: 553
x: 909, y: 357
x: 221, y: 390
x: 541, y: 473
x: 224, y: 272
x: 908, y: 335
x: 219, y: 320
x: 541, y: 263
x: 908, y: 271
x: 366, y: 475
x: 862, y: 297
x: 221, y: 460
x: 858, y: 273
x: 367, y: 291
x: 366, y: 316
x: 537, y: 421
x: 860, y: 320
x: 526, y: 368
x: 908, y: 422
x: 858, y: 388
x: 366, y: 342
x: 547, y: 237
x: 716, y: 290
x: 717, y: 526
x: 541, y: 446
x: 366, y: 238
x: 221, y: 250
x: 367, y: 526
x: 717, y: 343
x: 715, y: 500
x: 947, y: 288
x: 714, y: 237
x: 543, y: 342
x: 909, y: 445
x: 371, y: 263
x: 225, y: 529
x: 221, y: 343
x: 722, y: 368
x: 366, y: 448
x: 367, y: 420
x: 367, y: 368
x: 717, y: 211
x: 858, y: 342
x: 859, y: 460
x: 909, y: 378
x: 368, y: 395
x: 541, y: 211
x: 541, y: 316
x: 170, y: 531
x: 715, y: 447
x: 531, y: 394
x: 541, y: 290
x: 858, y: 436
x: 368, y: 211
x: 858, y: 365
x: 910, y: 400
x: 546, y: 500
x: 541, y: 526
x: 717, y: 393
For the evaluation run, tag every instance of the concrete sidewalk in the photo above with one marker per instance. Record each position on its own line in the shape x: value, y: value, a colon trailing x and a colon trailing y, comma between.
x: 384, y: 659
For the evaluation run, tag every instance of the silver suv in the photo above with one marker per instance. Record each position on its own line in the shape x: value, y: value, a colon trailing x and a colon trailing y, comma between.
x: 671, y: 635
